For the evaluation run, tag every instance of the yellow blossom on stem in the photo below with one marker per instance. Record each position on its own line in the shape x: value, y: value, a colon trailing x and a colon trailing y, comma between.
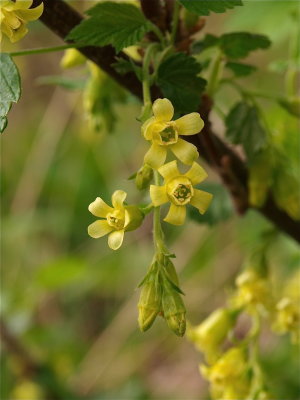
x: 14, y: 16
x: 115, y: 220
x: 210, y: 334
x: 165, y: 134
x: 179, y: 190
x: 253, y: 291
x: 228, y: 375
x: 288, y: 318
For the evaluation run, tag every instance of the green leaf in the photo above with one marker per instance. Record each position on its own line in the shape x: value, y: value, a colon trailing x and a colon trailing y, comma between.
x: 62, y: 81
x: 292, y: 106
x: 240, y: 69
x: 118, y: 24
x: 10, y: 87
x: 123, y: 66
x: 244, y: 127
x: 220, y: 208
x: 178, y: 79
x: 204, y: 7
x: 208, y: 41
x: 240, y: 44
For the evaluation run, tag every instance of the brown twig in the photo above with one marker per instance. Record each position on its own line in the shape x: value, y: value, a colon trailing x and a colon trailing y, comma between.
x: 61, y: 18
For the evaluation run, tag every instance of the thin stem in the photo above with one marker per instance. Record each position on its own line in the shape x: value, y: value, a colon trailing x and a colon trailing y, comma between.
x: 157, y: 229
x: 43, y: 50
x: 215, y: 72
x: 175, y: 22
x: 158, y: 33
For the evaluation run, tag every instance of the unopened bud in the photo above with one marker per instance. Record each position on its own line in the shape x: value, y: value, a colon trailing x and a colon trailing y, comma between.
x: 150, y: 299
x: 144, y: 177
x: 260, y: 178
x: 72, y: 58
x: 173, y: 308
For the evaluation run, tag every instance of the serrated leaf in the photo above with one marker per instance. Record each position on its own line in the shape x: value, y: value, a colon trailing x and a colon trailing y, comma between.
x: 244, y: 127
x: 118, y: 24
x: 10, y: 87
x: 240, y: 44
x: 240, y: 69
x: 123, y: 66
x: 179, y: 81
x: 204, y: 7
x: 203, y: 44
x: 220, y: 208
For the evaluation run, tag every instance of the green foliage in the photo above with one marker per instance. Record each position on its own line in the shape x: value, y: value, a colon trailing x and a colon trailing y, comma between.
x: 292, y: 106
x: 120, y: 25
x: 240, y: 69
x: 240, y: 44
x: 123, y: 66
x: 234, y: 45
x: 204, y: 7
x: 178, y: 79
x: 10, y: 87
x: 62, y: 81
x: 244, y: 127
x: 220, y: 208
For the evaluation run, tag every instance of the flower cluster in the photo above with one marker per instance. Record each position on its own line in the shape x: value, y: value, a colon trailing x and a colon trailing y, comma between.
x: 160, y: 293
x: 232, y: 365
x: 14, y: 16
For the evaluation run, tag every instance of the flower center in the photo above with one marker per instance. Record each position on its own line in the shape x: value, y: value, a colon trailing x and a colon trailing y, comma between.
x: 168, y: 135
x: 180, y: 191
x: 115, y: 220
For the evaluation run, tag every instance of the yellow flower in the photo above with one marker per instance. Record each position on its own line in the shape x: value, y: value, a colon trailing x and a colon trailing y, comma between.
x: 179, y: 190
x: 228, y: 376
x: 164, y: 134
x: 14, y: 16
x: 209, y: 335
x: 116, y: 220
x: 253, y: 291
x: 288, y: 318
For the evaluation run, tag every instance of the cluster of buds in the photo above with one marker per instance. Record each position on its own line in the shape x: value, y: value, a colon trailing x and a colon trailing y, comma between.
x: 160, y: 295
x: 14, y: 16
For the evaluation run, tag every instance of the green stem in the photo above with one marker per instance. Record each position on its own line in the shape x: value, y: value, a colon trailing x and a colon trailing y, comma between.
x: 157, y: 229
x: 43, y: 50
x: 175, y: 22
x: 158, y: 33
x: 215, y: 73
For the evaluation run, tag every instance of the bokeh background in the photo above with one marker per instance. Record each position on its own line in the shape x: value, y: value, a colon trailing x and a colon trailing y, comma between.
x: 69, y: 315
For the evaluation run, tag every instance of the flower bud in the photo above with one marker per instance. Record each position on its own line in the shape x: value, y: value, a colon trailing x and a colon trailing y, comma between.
x: 260, y: 178
x: 209, y: 335
x: 72, y: 58
x: 150, y: 299
x: 173, y: 308
x: 144, y: 177
x: 171, y: 271
x: 135, y: 217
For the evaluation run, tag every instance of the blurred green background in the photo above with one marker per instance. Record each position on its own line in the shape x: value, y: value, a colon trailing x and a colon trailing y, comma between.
x: 68, y: 301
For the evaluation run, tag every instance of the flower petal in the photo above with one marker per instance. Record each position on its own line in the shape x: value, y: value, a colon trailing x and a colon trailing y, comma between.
x: 189, y: 124
x: 176, y: 215
x: 158, y: 195
x: 163, y: 110
x: 169, y: 170
x: 115, y: 239
x: 184, y: 151
x: 118, y: 198
x: 155, y: 156
x: 99, y: 208
x: 31, y: 14
x: 196, y: 173
x: 201, y: 200
x: 99, y: 228
x: 147, y: 128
